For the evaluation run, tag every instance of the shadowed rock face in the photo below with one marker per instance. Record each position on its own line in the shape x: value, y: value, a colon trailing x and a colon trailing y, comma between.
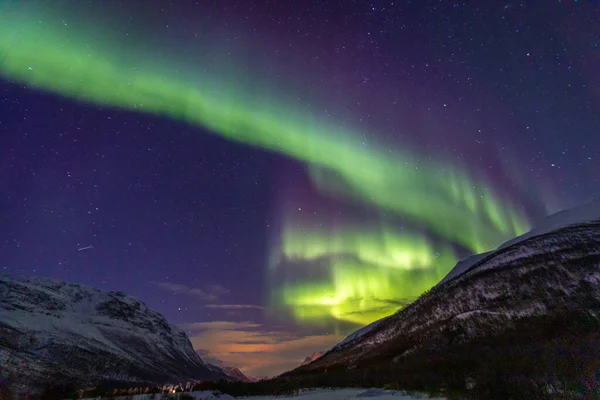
x: 518, y: 291
x: 55, y: 332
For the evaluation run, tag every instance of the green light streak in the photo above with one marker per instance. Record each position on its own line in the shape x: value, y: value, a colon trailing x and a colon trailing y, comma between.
x: 448, y: 201
x: 442, y: 196
x: 384, y: 249
x: 372, y: 272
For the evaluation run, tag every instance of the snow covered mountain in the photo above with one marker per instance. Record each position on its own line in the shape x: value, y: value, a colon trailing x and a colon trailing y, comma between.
x: 312, y: 357
x: 359, y: 333
x: 524, y: 290
x: 53, y: 332
x: 589, y: 211
x: 235, y: 374
x: 221, y: 366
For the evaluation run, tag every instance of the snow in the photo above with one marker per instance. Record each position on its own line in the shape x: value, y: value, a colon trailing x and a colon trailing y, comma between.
x: 339, y: 394
x: 79, y: 318
x: 359, y: 333
x: 51, y: 321
x: 311, y: 394
x: 587, y: 212
x: 462, y: 266
x: 468, y: 314
x: 314, y: 356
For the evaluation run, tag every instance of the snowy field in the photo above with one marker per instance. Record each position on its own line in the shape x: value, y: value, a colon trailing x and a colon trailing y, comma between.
x: 339, y: 394
x: 309, y: 394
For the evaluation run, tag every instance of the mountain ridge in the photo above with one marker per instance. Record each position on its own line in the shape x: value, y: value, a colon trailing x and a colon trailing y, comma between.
x: 231, y: 371
x: 548, y: 275
x: 54, y: 332
x: 588, y: 211
x: 314, y: 356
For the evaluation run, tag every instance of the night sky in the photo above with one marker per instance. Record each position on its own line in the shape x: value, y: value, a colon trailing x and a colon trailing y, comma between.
x: 273, y: 175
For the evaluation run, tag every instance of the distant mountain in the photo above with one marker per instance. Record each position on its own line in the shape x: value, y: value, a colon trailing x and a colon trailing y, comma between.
x: 235, y: 374
x: 220, y: 366
x: 527, y: 313
x: 312, y: 358
x: 54, y: 333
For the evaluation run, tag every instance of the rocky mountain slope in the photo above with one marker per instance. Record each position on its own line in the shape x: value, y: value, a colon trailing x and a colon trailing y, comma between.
x: 536, y: 298
x: 54, y: 332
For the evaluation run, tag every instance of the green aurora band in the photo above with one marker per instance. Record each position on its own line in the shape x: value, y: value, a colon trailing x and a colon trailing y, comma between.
x: 444, y: 198
x: 372, y: 271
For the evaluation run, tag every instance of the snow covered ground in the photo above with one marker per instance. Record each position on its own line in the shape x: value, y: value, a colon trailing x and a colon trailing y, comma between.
x: 339, y: 394
x: 310, y: 394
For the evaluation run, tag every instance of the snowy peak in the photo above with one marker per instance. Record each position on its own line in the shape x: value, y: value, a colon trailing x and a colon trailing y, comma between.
x: 359, y: 333
x: 235, y: 374
x: 313, y: 357
x: 64, y: 332
x: 585, y: 213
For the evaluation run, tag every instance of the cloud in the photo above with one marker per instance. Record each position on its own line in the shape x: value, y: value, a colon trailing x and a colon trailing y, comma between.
x: 254, y: 348
x: 234, y: 306
x: 207, y: 293
x: 217, y: 289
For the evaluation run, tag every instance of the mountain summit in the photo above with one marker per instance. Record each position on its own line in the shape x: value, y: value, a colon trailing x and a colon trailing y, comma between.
x: 54, y: 332
x: 313, y: 357
x: 232, y: 372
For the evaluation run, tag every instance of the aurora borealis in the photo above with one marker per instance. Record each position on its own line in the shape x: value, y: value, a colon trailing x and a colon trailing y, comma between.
x: 372, y: 273
x: 327, y: 174
x: 440, y: 197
